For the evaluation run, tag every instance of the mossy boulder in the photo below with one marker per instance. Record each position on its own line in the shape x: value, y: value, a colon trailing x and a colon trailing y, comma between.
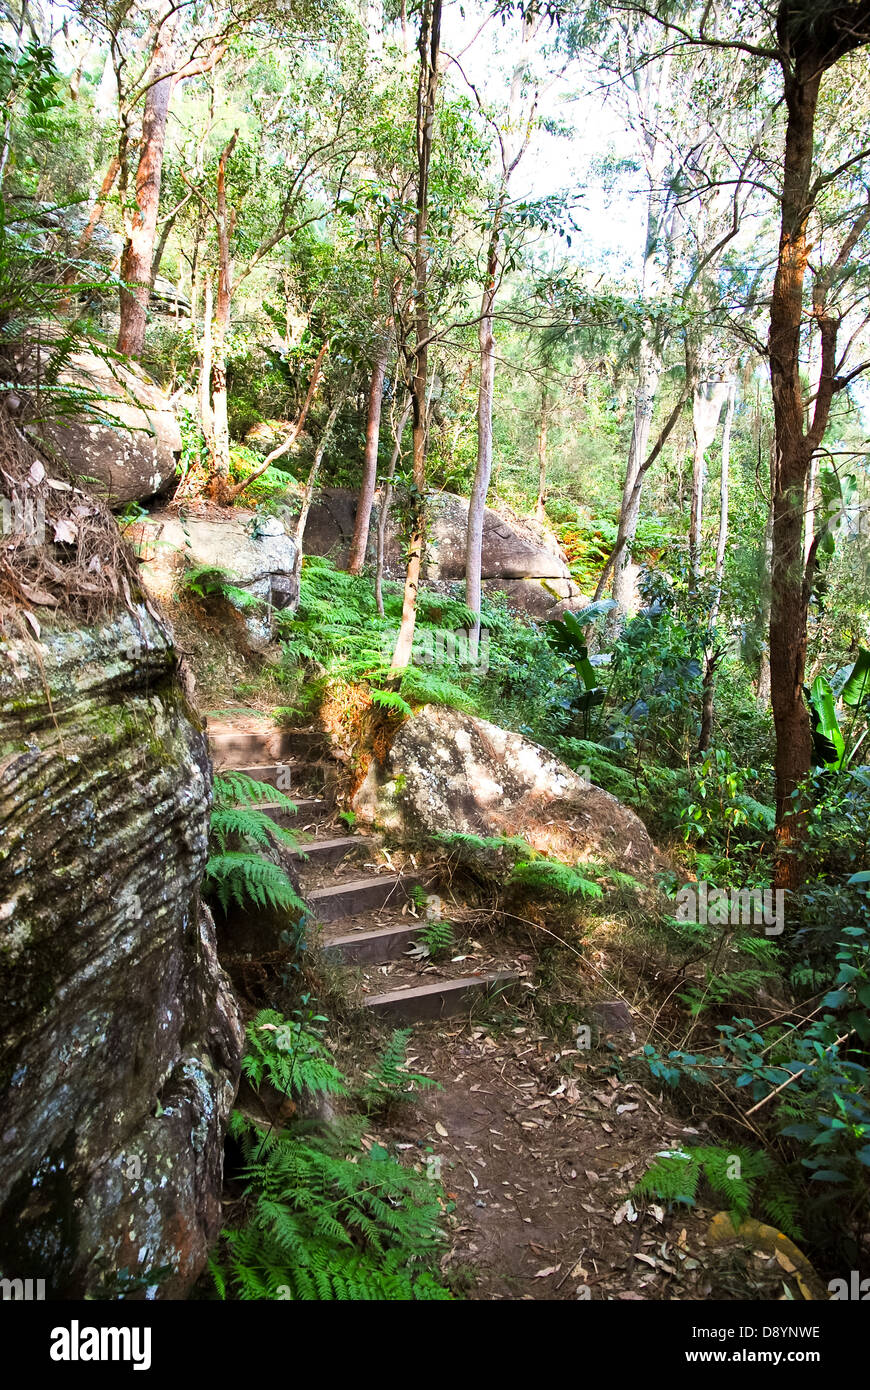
x: 120, y: 1042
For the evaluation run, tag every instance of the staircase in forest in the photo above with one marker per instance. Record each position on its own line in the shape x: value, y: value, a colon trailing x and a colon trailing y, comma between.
x: 356, y: 901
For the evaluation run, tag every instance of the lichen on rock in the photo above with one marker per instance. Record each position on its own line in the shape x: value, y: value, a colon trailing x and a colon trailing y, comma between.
x: 120, y: 1042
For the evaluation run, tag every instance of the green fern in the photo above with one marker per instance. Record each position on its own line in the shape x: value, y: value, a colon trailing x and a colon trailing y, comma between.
x: 238, y: 876
x: 290, y: 1055
x: 549, y: 876
x: 328, y: 1218
x: 675, y: 1177
x: 391, y: 699
x: 235, y: 872
x: 390, y: 1081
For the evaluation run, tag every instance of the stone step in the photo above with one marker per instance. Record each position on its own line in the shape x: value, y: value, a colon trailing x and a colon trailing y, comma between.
x: 441, y: 999
x: 359, y: 895
x: 371, y: 947
x: 329, y: 851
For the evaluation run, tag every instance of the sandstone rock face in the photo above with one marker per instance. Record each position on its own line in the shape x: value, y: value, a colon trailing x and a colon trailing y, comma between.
x: 255, y: 552
x: 519, y: 557
x: 120, y: 1041
x: 123, y: 462
x: 449, y: 771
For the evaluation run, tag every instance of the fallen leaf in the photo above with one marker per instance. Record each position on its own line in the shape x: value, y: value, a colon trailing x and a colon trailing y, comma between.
x: 37, y: 472
x: 65, y: 532
x: 439, y: 1129
x: 624, y: 1213
x: 545, y: 1273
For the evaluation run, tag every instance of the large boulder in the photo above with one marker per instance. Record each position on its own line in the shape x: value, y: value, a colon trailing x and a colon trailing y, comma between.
x: 120, y: 1043
x: 255, y: 552
x: 447, y: 771
x: 519, y: 558
x: 132, y: 453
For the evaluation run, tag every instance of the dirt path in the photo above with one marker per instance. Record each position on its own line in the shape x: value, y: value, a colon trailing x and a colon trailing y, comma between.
x: 538, y: 1150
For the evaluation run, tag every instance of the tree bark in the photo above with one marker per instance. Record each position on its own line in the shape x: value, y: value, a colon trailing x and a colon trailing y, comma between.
x: 383, y: 514
x: 141, y: 228
x: 649, y: 373
x: 707, y: 401
x: 311, y: 483
x: 427, y: 91
x: 540, y: 512
x: 807, y: 50
x: 359, y: 543
x: 722, y: 539
x: 483, y: 471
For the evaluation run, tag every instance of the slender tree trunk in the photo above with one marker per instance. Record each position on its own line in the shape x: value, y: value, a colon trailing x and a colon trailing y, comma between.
x: 359, y: 543
x: 631, y: 503
x: 219, y: 461
x: 483, y: 471
x: 763, y: 686
x: 540, y: 512
x: 722, y: 539
x: 383, y: 514
x: 427, y: 91
x: 707, y: 401
x: 141, y: 228
x: 649, y: 373
x: 789, y: 592
x: 96, y: 212
x: 206, y: 351
x: 289, y: 440
x: 311, y: 483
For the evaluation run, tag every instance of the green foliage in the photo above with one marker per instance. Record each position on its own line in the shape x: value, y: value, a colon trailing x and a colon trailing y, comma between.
x: 327, y: 1218
x: 436, y: 938
x: 390, y: 1081
x: 206, y: 581
x: 242, y: 875
x: 742, y: 1177
x: 291, y: 1055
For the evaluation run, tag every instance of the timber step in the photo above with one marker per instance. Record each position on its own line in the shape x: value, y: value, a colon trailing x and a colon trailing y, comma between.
x: 371, y: 947
x: 239, y: 748
x: 442, y: 999
x: 359, y: 895
x: 308, y: 809
x: 331, y: 851
x: 282, y: 775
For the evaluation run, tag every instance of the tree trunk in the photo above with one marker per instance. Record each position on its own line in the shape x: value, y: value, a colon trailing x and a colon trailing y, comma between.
x: 483, y: 471
x: 311, y: 484
x: 763, y: 686
x: 722, y: 540
x: 793, y: 451
x: 649, y: 372
x: 427, y: 91
x: 359, y: 543
x: 383, y: 514
x: 707, y: 401
x: 219, y: 446
x: 141, y: 228
x: 540, y: 512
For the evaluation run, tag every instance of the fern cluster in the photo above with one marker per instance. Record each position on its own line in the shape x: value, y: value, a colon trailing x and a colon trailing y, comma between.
x: 330, y: 1224
x: 328, y: 1218
x: 536, y: 871
x: 290, y: 1055
x: 741, y: 1176
x: 390, y: 1080
x: 235, y: 872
